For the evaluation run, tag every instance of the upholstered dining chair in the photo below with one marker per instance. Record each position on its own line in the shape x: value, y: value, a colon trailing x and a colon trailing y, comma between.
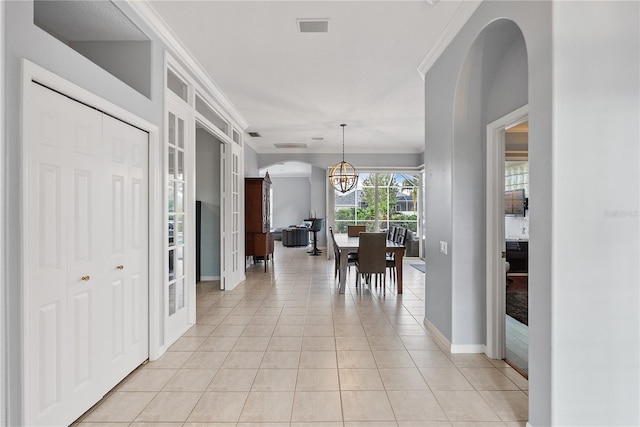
x: 355, y: 230
x: 371, y: 258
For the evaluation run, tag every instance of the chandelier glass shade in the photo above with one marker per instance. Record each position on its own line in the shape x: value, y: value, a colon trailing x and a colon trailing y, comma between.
x: 343, y: 176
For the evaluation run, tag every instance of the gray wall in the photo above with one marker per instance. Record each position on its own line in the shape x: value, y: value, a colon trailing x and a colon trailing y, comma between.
x: 208, y: 192
x: 319, y: 200
x: 480, y: 77
x: 291, y: 200
x: 582, y: 66
x: 596, y: 153
x: 128, y: 60
x: 25, y: 40
x: 250, y: 162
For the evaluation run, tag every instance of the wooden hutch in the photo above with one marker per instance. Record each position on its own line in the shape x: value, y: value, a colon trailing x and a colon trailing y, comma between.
x: 258, y: 236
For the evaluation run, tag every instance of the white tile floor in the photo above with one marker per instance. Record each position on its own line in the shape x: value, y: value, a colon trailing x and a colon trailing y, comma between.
x: 285, y: 349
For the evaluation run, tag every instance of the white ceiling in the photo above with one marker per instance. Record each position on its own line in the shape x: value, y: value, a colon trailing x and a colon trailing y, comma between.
x: 292, y: 87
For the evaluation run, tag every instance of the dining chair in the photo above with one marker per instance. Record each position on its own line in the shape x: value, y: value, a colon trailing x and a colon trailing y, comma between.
x: 391, y: 233
x: 401, y: 235
x: 400, y: 238
x: 371, y: 258
x: 355, y: 230
x: 351, y: 257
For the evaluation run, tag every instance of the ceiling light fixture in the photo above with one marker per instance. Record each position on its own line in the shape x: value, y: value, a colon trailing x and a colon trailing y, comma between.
x: 343, y: 176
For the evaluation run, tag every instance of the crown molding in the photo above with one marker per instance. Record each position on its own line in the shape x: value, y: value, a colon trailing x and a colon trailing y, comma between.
x: 453, y: 27
x: 182, y: 53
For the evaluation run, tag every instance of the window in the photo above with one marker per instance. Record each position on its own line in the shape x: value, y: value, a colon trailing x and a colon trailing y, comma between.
x: 379, y: 201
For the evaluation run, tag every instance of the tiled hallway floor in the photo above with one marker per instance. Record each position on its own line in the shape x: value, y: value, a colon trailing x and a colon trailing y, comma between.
x: 285, y: 349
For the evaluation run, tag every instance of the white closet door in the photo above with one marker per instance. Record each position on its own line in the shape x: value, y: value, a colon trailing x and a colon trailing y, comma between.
x: 64, y: 291
x: 86, y: 207
x: 126, y: 256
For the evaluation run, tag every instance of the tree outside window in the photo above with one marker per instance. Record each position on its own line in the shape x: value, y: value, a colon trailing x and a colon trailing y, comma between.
x: 396, y: 202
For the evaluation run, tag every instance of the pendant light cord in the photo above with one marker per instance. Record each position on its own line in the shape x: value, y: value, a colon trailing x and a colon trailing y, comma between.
x: 343, y: 125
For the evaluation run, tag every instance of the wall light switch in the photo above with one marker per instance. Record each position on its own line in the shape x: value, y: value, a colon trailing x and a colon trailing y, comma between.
x: 443, y: 247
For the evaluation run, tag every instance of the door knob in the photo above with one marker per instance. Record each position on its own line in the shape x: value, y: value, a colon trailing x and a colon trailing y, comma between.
x: 120, y: 267
x: 85, y: 278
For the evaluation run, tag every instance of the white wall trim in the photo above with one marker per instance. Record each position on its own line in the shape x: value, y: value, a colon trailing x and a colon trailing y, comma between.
x: 494, y: 238
x: 453, y: 27
x: 180, y: 51
x: 31, y: 71
x: 209, y: 278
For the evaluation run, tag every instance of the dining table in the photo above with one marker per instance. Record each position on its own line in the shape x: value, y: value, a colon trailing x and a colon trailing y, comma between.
x: 348, y: 244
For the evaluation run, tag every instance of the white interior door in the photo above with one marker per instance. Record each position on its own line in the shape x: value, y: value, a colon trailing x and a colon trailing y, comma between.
x: 68, y: 284
x: 180, y: 279
x: 495, y: 240
x: 232, y: 218
x: 63, y: 292
x: 127, y: 250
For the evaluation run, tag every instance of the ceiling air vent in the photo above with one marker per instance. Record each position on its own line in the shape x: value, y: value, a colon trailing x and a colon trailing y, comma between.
x: 290, y: 145
x: 317, y: 138
x: 313, y: 25
x: 255, y: 134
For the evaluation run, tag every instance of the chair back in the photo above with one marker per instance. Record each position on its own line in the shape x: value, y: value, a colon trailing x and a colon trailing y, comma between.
x: 372, y: 253
x: 401, y: 235
x: 355, y: 230
x: 391, y: 233
x: 336, y: 251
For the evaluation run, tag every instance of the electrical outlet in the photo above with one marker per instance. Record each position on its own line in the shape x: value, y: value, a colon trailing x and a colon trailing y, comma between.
x: 443, y: 247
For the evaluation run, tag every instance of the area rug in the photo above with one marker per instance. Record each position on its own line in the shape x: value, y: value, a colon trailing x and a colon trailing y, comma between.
x: 518, y: 299
x: 420, y: 267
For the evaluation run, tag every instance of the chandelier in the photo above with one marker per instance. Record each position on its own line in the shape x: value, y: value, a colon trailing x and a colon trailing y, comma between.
x: 343, y: 176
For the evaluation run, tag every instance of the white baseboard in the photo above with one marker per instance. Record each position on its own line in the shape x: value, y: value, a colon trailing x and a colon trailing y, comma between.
x: 469, y: 348
x: 445, y: 345
x: 209, y: 278
x: 441, y: 340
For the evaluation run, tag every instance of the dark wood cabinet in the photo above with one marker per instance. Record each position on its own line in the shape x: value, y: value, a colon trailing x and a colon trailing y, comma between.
x: 258, y: 236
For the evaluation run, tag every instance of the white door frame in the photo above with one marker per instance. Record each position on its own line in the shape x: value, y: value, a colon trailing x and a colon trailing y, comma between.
x: 32, y: 72
x: 496, y: 273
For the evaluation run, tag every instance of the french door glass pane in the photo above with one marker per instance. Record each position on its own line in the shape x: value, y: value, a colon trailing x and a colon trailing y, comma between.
x: 179, y: 294
x: 180, y: 167
x: 172, y: 299
x: 172, y: 129
x: 172, y: 271
x: 180, y: 133
x: 179, y: 229
x: 171, y: 197
x: 180, y: 261
x: 179, y: 202
x: 172, y: 163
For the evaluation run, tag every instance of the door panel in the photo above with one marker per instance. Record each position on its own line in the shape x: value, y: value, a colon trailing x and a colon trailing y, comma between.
x: 49, y: 225
x: 61, y: 206
x: 127, y: 260
x: 48, y: 356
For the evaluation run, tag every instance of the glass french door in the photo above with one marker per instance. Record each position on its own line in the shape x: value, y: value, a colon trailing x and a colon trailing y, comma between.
x: 179, y: 287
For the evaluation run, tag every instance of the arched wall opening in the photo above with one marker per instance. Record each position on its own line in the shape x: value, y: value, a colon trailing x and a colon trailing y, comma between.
x: 493, y: 81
